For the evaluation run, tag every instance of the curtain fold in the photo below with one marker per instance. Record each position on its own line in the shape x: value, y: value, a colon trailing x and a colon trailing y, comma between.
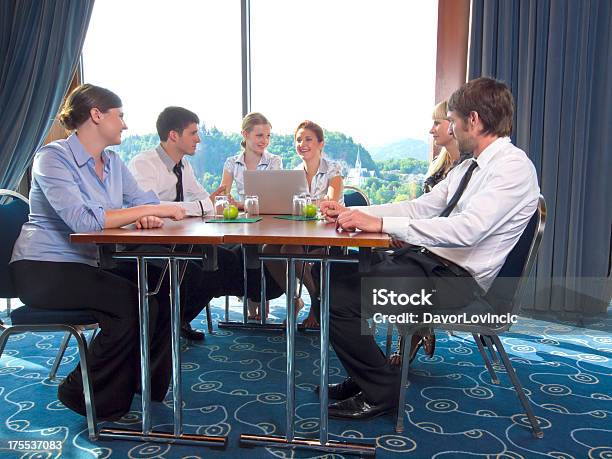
x: 40, y: 46
x: 556, y: 57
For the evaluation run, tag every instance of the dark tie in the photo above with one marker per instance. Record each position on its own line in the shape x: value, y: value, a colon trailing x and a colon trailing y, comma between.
x: 449, y: 208
x: 178, y: 171
x: 462, y: 186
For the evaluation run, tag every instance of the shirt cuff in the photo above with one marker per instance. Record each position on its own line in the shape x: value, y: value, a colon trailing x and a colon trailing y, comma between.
x: 99, y: 215
x: 197, y: 208
x: 395, y: 226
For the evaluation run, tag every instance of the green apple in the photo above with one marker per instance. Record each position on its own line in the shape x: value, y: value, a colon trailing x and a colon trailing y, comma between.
x: 230, y: 212
x: 310, y: 210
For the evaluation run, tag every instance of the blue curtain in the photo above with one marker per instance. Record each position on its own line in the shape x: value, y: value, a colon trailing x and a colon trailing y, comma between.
x: 40, y: 46
x: 556, y: 56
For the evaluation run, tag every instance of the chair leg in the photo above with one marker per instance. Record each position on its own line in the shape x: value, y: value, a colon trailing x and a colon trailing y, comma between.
x: 60, y: 355
x: 226, y: 308
x: 494, y: 378
x: 401, y: 402
x: 209, y: 319
x: 489, y: 344
x: 92, y: 336
x: 3, y: 339
x: 90, y: 408
x: 517, y: 387
x: 8, y: 307
x: 389, y: 340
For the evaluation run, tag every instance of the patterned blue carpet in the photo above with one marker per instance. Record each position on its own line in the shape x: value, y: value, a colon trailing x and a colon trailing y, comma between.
x: 235, y: 383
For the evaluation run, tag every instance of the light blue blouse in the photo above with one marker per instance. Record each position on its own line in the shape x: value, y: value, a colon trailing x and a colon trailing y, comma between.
x: 68, y: 197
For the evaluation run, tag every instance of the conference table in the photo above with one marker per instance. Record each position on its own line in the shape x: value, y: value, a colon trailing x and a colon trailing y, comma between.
x: 206, y: 236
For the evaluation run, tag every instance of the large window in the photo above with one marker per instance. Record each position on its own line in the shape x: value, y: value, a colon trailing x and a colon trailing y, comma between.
x: 363, y: 70
x: 158, y: 53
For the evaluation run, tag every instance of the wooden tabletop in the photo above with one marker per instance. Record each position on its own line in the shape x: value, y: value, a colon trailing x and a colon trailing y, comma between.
x: 272, y: 230
x: 188, y: 231
x: 269, y: 230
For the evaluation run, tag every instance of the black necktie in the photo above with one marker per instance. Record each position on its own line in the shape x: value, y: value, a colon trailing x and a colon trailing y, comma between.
x: 462, y: 186
x: 449, y: 208
x: 178, y: 171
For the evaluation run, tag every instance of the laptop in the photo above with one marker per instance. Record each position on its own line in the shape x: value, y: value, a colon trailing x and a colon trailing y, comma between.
x: 275, y: 189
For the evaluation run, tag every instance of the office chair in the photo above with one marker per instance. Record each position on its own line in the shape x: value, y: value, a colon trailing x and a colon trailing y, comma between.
x: 13, y: 214
x: 503, y: 297
x: 354, y: 197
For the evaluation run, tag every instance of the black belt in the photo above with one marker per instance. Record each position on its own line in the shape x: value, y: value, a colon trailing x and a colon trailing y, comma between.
x: 452, y: 267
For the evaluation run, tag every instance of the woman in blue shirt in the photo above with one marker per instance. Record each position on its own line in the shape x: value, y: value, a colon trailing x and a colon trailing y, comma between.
x: 77, y: 186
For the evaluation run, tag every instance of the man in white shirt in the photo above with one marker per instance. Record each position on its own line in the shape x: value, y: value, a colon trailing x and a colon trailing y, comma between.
x: 455, y: 240
x: 165, y: 171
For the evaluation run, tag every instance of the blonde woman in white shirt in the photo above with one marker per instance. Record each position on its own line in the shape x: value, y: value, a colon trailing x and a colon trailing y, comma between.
x: 253, y: 156
x: 324, y: 178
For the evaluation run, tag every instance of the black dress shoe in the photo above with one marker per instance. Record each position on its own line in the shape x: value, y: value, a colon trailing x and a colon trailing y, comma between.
x: 341, y: 391
x: 189, y: 333
x: 357, y: 407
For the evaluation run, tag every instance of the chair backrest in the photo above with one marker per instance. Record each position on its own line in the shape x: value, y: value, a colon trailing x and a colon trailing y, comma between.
x: 504, y: 294
x: 354, y: 197
x: 14, y: 211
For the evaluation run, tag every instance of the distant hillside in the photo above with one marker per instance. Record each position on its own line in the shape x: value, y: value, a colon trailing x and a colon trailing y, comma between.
x: 406, y: 148
x: 216, y: 146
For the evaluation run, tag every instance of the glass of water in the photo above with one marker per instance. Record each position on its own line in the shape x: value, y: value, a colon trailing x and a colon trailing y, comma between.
x: 299, y: 203
x: 221, y: 202
x: 251, y: 205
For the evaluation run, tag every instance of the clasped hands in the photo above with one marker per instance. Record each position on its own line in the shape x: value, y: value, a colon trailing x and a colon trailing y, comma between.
x: 350, y: 219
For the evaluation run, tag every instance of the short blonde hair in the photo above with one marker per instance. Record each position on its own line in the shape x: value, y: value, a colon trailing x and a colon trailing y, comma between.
x: 250, y: 121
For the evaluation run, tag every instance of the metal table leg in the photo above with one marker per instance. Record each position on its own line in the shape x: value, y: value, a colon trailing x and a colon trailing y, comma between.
x: 289, y: 440
x: 147, y: 434
x: 245, y: 324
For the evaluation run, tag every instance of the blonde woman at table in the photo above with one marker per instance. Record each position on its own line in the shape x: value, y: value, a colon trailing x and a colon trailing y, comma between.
x: 253, y: 156
x: 77, y: 186
x: 448, y: 158
x: 325, y: 182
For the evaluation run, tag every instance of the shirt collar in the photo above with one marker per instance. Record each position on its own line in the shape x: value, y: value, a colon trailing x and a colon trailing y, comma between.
x: 323, y: 166
x: 488, y: 153
x: 80, y: 154
x: 264, y: 160
x: 165, y: 159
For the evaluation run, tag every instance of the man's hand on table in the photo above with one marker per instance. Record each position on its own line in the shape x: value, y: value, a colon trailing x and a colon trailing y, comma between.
x: 350, y: 219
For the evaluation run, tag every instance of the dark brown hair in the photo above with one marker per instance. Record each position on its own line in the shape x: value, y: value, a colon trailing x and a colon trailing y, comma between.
x: 314, y: 127
x: 174, y: 119
x: 491, y: 99
x: 81, y: 100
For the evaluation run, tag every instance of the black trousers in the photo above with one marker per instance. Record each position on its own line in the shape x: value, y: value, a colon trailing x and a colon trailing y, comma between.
x: 229, y: 279
x: 358, y: 352
x: 200, y: 286
x: 114, y: 357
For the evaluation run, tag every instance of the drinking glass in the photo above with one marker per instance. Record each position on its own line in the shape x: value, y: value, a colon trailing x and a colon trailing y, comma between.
x: 221, y: 202
x: 251, y: 205
x: 299, y: 203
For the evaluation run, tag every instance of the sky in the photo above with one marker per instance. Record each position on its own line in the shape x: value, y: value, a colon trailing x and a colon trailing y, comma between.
x: 364, y: 68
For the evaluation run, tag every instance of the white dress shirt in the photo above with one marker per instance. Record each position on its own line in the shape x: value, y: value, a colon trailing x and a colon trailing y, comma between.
x: 153, y: 170
x: 488, y: 220
x: 236, y: 166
